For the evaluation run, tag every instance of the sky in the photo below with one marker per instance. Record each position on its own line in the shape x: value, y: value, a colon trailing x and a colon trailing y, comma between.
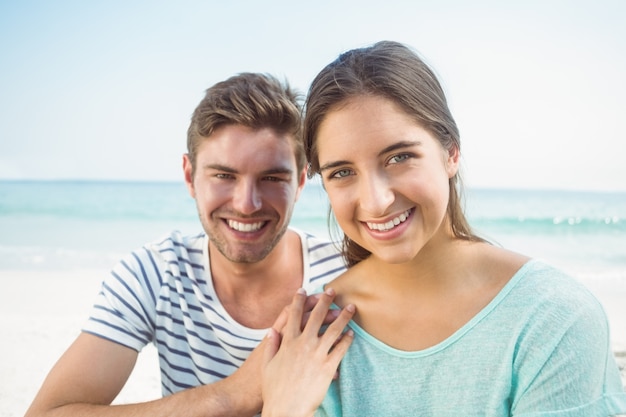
x: 105, y: 89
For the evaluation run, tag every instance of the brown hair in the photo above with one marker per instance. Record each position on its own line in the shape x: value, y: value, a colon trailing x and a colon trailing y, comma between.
x: 393, y: 71
x: 249, y: 99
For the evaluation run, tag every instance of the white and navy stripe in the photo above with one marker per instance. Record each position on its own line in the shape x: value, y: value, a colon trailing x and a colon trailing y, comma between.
x: 163, y: 294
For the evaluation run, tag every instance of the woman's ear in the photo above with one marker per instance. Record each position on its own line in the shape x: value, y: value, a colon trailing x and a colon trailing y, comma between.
x: 452, y: 162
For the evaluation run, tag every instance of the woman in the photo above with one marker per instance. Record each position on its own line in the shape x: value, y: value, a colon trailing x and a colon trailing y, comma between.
x: 446, y: 324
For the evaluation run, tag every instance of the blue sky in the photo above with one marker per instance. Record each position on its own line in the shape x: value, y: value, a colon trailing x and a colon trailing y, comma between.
x: 104, y: 90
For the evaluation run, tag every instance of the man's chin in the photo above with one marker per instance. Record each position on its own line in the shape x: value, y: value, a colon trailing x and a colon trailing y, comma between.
x: 248, y: 258
x: 238, y: 251
x: 249, y: 254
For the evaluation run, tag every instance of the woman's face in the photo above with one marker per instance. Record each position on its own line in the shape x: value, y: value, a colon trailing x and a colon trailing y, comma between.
x: 387, y: 178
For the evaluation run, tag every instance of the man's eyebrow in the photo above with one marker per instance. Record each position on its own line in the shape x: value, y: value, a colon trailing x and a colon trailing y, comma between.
x: 277, y: 170
x: 230, y: 170
x: 393, y: 147
x: 219, y: 167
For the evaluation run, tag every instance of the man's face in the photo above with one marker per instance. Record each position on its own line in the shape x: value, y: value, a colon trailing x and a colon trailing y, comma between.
x: 245, y: 185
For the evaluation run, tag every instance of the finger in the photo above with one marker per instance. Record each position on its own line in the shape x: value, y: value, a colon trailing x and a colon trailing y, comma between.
x: 311, y: 301
x: 281, y: 320
x: 294, y: 315
x: 272, y: 343
x: 336, y: 328
x: 319, y: 312
x: 339, y: 351
x: 309, y: 304
x: 331, y: 315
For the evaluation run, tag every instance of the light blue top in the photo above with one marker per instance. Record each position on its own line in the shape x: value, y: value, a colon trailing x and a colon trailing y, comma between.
x: 540, y: 348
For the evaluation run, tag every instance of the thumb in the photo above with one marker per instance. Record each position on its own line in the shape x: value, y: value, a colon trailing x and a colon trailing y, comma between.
x: 272, y: 343
x: 281, y: 321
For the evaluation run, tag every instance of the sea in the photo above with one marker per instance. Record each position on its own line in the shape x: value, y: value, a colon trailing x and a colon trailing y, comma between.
x: 60, y: 225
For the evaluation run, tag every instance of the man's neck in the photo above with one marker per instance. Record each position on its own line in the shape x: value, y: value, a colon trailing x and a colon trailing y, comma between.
x: 253, y: 294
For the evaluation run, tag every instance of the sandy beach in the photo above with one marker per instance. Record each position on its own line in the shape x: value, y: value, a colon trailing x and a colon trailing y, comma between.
x: 42, y: 312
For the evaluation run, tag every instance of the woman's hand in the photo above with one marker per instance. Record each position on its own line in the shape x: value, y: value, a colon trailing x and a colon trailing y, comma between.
x: 299, y: 365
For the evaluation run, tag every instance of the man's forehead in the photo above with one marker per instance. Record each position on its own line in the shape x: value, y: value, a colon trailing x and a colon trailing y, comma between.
x: 260, y: 160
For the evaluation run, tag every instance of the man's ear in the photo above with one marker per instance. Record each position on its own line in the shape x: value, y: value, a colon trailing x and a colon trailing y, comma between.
x: 301, y: 182
x: 188, y: 173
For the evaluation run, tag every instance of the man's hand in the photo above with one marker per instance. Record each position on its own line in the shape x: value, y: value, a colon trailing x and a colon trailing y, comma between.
x: 309, y: 303
x: 299, y: 364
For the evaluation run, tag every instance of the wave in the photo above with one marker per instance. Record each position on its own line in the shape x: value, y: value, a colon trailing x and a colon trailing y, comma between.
x: 552, y: 224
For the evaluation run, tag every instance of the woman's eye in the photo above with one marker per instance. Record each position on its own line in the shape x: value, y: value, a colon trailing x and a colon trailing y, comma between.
x: 399, y: 158
x: 341, y: 173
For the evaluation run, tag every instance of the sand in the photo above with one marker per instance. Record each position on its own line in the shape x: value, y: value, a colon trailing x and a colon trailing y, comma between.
x: 41, y: 313
x: 40, y: 316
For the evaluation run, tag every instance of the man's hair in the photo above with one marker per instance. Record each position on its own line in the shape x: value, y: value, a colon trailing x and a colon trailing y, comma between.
x: 253, y: 100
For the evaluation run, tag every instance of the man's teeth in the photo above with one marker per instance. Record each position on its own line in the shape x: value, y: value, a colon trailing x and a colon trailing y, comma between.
x: 390, y: 224
x: 245, y: 227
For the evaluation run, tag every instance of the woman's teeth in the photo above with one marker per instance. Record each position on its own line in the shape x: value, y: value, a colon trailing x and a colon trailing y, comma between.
x: 383, y: 227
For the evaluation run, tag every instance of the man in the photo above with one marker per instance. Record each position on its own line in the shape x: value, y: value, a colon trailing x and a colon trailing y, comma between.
x: 206, y: 301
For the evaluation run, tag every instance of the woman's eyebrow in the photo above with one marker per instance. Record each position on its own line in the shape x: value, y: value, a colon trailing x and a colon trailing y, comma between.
x: 393, y: 147
x: 334, y: 164
x: 400, y: 145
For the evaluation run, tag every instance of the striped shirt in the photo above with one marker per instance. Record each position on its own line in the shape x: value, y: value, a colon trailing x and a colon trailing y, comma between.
x: 163, y: 294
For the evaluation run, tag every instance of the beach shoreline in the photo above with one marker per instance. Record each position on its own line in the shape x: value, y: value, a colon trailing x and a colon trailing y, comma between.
x: 43, y: 312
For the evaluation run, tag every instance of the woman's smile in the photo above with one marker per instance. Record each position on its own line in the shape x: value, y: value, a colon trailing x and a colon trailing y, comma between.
x: 391, y: 224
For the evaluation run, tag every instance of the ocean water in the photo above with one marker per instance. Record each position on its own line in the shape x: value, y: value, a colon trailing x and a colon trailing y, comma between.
x: 48, y: 225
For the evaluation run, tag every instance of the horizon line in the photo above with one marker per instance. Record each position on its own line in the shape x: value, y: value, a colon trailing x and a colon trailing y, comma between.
x: 313, y: 181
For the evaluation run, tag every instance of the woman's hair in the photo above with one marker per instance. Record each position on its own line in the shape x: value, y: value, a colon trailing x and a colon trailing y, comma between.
x: 393, y: 71
x: 252, y: 100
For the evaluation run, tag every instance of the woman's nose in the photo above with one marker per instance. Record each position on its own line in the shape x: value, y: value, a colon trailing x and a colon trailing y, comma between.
x: 375, y: 194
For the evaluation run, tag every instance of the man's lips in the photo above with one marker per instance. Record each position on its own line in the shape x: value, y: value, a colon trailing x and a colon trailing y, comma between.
x: 245, y: 227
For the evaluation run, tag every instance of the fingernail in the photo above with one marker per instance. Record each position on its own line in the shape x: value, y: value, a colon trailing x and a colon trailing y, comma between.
x: 329, y: 291
x: 350, y: 308
x: 301, y: 291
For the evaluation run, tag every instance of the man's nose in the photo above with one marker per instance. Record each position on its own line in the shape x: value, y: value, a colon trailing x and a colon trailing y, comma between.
x: 247, y: 197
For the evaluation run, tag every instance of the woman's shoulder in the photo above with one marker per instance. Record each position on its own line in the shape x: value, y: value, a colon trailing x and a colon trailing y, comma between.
x: 498, y: 260
x: 533, y: 279
x: 539, y: 276
x: 350, y: 285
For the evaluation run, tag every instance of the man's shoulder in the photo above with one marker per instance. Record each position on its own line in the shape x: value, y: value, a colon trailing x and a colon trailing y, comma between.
x: 316, y: 246
x: 173, y: 247
x: 322, y: 259
x: 175, y: 240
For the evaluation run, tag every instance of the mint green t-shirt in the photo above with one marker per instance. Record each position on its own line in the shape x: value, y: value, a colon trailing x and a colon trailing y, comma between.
x: 540, y: 348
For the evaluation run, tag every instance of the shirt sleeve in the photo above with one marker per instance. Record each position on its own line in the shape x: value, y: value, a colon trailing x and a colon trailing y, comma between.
x: 124, y: 309
x: 566, y: 368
